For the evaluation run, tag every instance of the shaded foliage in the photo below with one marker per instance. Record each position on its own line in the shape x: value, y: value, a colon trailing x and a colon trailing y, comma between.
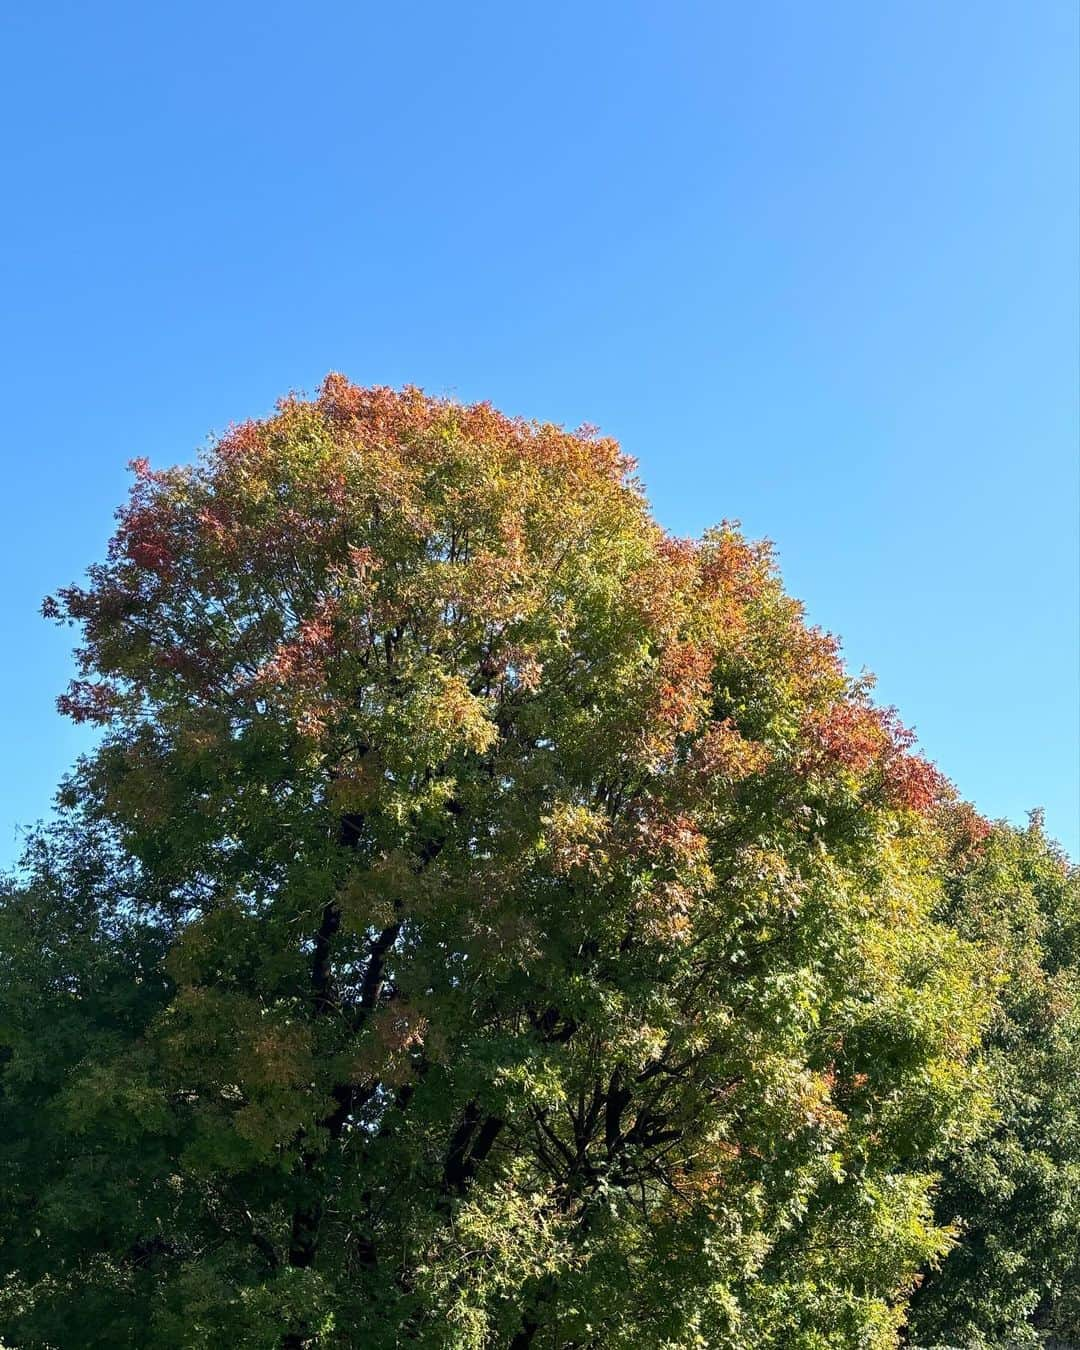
x: 1014, y: 1190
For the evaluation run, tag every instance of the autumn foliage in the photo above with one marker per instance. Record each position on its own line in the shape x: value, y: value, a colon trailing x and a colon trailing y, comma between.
x: 486, y: 921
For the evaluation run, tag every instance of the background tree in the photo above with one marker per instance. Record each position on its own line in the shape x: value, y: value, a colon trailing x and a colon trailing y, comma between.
x: 1014, y: 1189
x: 486, y: 921
x: 81, y: 1144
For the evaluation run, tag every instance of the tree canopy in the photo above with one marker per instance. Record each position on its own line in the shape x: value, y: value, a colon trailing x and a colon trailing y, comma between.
x: 487, y: 920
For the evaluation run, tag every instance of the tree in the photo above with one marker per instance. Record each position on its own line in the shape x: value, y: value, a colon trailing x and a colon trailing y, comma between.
x: 486, y: 921
x: 81, y: 1147
x: 1014, y: 1189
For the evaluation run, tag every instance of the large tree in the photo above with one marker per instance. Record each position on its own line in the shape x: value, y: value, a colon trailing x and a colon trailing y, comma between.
x: 486, y: 921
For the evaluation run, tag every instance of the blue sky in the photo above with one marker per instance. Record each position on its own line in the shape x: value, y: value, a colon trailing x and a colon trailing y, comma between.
x: 814, y: 265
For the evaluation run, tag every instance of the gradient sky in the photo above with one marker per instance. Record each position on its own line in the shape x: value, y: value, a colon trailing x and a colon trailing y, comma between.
x: 815, y: 265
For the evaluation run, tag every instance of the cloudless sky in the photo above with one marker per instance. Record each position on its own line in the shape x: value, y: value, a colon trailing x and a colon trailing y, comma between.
x: 815, y: 265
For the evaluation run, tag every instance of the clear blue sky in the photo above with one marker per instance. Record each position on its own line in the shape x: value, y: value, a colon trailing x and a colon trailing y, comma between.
x: 814, y: 264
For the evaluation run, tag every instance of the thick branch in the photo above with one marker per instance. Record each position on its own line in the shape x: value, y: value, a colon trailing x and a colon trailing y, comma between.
x: 470, y: 1144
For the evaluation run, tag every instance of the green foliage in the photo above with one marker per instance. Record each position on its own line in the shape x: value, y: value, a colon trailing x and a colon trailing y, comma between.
x: 1014, y: 1189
